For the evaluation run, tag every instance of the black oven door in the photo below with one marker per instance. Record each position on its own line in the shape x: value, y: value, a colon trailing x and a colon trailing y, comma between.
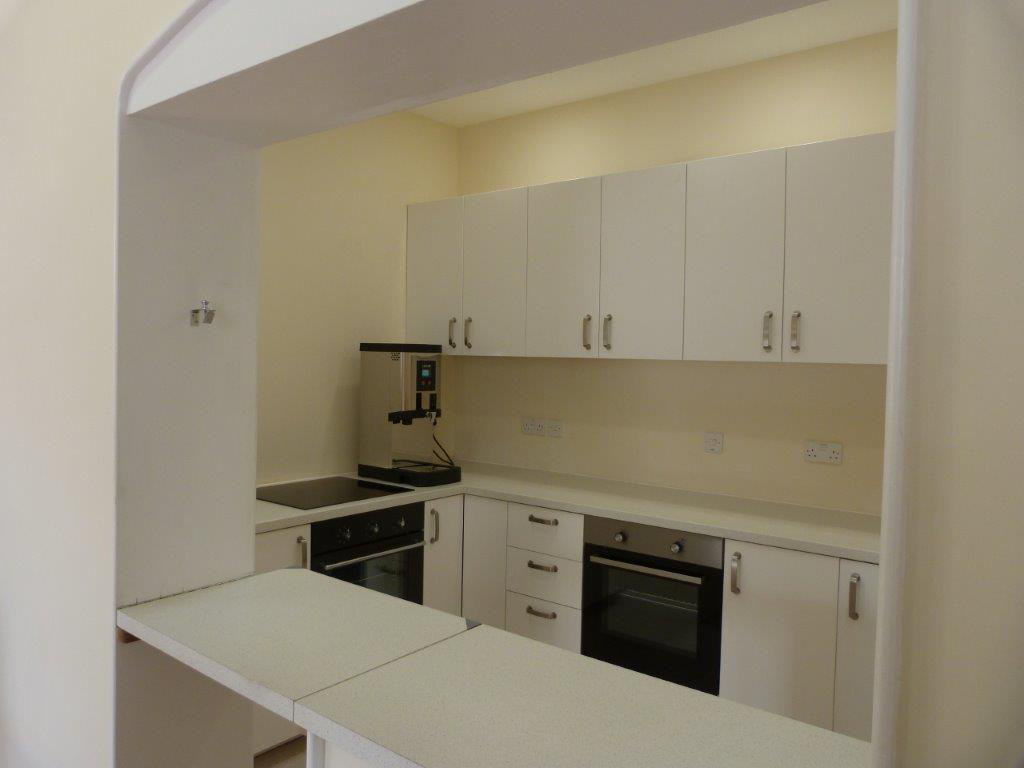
x: 654, y: 616
x: 394, y: 567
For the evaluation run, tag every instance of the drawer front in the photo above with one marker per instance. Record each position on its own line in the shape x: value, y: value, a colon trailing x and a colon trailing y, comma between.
x: 555, y: 624
x: 549, y: 531
x: 543, y: 576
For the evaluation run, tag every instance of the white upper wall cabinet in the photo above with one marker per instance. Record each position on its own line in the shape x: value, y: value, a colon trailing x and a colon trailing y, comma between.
x: 838, y: 244
x: 494, y: 273
x: 564, y: 269
x: 642, y: 259
x: 433, y: 306
x: 735, y: 248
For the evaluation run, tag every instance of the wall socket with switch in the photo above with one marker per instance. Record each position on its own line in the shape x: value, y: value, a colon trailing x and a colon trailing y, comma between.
x: 542, y: 427
x: 823, y: 453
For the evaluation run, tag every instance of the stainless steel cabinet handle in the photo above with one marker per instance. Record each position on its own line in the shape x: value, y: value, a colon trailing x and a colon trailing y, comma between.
x: 303, y: 543
x: 734, y: 573
x: 437, y: 526
x: 364, y: 558
x: 540, y: 567
x: 606, y: 331
x: 541, y: 614
x: 586, y: 331
x: 852, y: 608
x: 465, y: 333
x: 542, y: 521
x: 661, y: 574
x: 794, y: 331
x: 766, y: 331
x: 451, y: 331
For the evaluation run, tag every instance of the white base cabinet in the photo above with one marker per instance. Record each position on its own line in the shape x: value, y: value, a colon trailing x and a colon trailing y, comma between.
x: 855, y: 648
x: 442, y: 555
x: 545, y: 621
x: 779, y: 631
x: 287, y: 548
x: 483, y: 570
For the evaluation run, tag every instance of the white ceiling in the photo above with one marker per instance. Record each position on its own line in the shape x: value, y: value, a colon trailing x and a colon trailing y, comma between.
x: 424, y: 52
x: 798, y: 30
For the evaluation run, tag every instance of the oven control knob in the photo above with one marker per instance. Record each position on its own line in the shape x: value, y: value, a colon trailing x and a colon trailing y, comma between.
x: 346, y: 534
x: 620, y: 537
x: 401, y: 522
x: 676, y: 548
x: 374, y: 528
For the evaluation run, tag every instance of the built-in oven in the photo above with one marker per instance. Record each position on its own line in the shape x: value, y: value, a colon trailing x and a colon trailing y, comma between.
x: 652, y: 601
x: 380, y: 550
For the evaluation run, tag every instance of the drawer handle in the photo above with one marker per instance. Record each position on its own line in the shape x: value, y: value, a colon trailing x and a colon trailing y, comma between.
x: 734, y: 573
x: 541, y: 614
x: 542, y: 521
x: 540, y: 567
x: 852, y: 607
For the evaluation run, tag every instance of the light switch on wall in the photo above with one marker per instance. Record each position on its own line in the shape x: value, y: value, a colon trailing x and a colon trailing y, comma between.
x: 714, y: 442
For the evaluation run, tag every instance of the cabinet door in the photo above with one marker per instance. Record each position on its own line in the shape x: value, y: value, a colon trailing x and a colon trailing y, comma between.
x: 483, y: 568
x: 779, y: 631
x: 642, y: 245
x: 442, y: 555
x: 855, y: 648
x: 494, y: 273
x: 735, y: 241
x: 563, y: 269
x: 433, y: 274
x: 286, y: 548
x: 838, y: 244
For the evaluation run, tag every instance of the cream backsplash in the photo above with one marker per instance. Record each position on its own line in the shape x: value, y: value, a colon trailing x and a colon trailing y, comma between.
x: 643, y: 421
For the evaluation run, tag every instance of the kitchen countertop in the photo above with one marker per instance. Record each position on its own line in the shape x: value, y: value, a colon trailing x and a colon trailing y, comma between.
x: 282, y: 635
x: 397, y: 684
x: 836, y: 533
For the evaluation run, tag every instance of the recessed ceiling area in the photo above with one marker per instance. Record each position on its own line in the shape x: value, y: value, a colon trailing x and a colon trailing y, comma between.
x: 808, y: 27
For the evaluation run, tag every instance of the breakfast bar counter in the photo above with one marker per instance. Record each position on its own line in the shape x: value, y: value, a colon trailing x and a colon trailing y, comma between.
x: 381, y: 682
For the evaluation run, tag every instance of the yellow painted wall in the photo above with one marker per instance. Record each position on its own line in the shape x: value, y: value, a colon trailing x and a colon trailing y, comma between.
x: 846, y: 89
x: 333, y: 275
x: 643, y: 421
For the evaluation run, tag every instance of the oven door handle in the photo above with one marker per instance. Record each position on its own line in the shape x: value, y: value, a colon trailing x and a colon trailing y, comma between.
x: 598, y: 560
x: 353, y: 561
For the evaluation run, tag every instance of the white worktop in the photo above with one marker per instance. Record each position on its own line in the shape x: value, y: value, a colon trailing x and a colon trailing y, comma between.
x: 279, y: 636
x: 828, y: 532
x: 398, y: 684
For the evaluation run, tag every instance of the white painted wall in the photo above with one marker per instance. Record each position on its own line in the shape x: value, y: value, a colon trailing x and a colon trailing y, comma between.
x: 60, y: 66
x: 186, y: 395
x: 259, y: 30
x: 960, y: 698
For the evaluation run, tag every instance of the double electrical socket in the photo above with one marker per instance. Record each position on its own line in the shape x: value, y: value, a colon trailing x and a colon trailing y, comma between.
x: 823, y: 453
x: 542, y: 427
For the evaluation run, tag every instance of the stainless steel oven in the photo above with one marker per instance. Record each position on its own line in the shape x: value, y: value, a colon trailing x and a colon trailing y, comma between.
x: 652, y: 601
x: 380, y: 550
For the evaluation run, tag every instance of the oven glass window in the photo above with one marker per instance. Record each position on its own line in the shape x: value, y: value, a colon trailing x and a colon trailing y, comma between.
x: 394, y: 574
x: 650, y: 611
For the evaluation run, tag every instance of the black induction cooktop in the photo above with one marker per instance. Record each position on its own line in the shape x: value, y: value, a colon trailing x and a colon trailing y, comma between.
x: 324, y: 492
